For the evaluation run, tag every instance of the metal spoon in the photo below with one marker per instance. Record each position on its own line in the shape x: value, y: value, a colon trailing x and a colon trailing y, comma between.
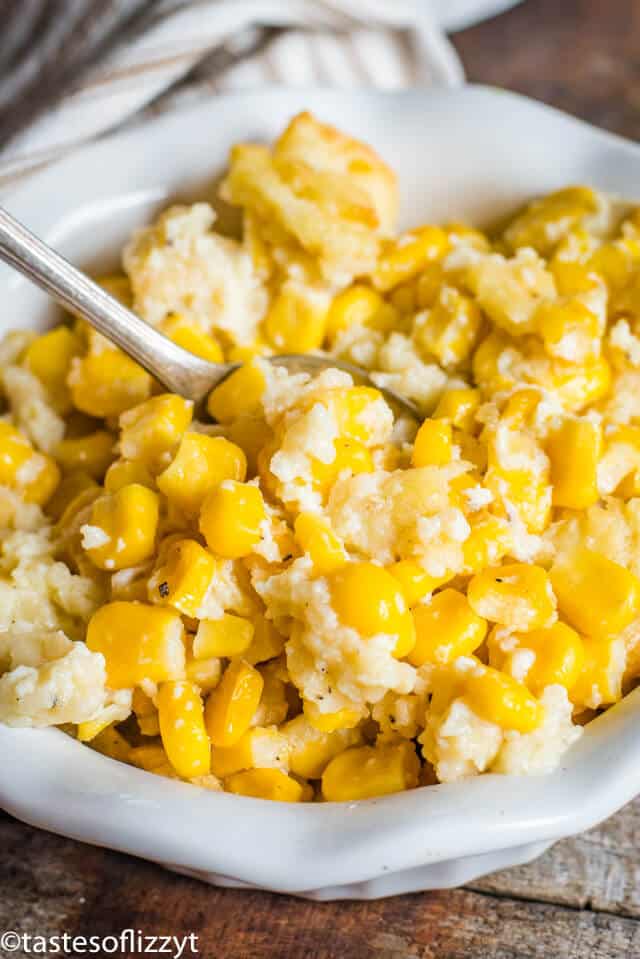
x: 178, y: 370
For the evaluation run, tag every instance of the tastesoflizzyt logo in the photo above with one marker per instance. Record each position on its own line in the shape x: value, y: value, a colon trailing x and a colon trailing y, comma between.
x: 128, y: 942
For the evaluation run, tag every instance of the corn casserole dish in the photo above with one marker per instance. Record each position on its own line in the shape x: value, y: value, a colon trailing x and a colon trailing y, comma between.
x: 302, y: 596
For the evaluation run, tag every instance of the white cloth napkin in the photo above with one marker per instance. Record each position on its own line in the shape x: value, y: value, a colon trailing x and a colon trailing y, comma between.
x: 344, y: 43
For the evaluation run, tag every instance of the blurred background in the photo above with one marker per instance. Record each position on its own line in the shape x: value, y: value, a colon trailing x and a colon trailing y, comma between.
x: 73, y: 69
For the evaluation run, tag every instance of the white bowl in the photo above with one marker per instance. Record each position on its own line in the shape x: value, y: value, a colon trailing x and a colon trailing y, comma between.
x: 471, y: 153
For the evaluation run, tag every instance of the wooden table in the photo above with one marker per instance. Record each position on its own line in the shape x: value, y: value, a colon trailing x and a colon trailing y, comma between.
x: 579, y: 901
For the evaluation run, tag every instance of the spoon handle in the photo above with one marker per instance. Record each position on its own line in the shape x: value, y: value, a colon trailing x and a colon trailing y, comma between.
x: 177, y: 369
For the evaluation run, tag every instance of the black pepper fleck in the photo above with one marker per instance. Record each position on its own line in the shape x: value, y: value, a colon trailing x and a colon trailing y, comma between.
x: 163, y: 589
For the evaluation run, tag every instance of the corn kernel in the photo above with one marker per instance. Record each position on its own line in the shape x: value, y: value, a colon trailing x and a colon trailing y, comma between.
x: 201, y: 464
x: 433, y: 445
x: 251, y: 434
x: 240, y: 394
x: 344, y: 718
x: 151, y: 431
x: 92, y: 453
x: 107, y: 383
x: 122, y: 528
x: 192, y: 338
x: 184, y: 736
x: 260, y: 747
x: 124, y: 473
x: 446, y: 628
x: 574, y: 451
x: 34, y: 475
x: 138, y: 642
x: 270, y: 784
x: 267, y: 642
x: 600, y: 681
x: 450, y: 329
x: 367, y: 771
x: 368, y: 599
x: 543, y: 222
x: 231, y: 706
x: 595, y: 595
x: 569, y: 331
x: 49, y: 358
x: 350, y: 455
x: 310, y: 751
x: 459, y: 406
x: 405, y: 257
x: 502, y: 700
x: 93, y: 727
x: 517, y: 595
x: 559, y: 657
x: 316, y: 538
x: 358, y: 305
x: 183, y: 577
x: 228, y: 636
x: 231, y: 518
x: 414, y: 580
x: 297, y: 319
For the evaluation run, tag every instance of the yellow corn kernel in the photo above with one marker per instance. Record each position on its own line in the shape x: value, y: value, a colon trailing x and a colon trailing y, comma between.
x: 545, y: 221
x: 502, y: 700
x: 203, y: 673
x: 251, y: 434
x: 229, y: 636
x: 88, y: 730
x: 146, y: 714
x: 521, y: 407
x: 517, y: 595
x: 49, y: 358
x: 240, y: 394
x: 569, y: 331
x: 184, y: 576
x: 107, y: 383
x: 151, y: 431
x: 344, y: 718
x: 487, y: 369
x: 368, y: 599
x: 600, y: 681
x: 232, y: 705
x: 150, y: 758
x: 560, y: 657
x: 450, y: 329
x: 404, y: 298
x: 265, y: 784
x: 408, y: 255
x: 316, y: 538
x: 138, y: 642
x: 351, y: 407
x: 297, y: 319
x: 571, y: 277
x: 92, y: 453
x: 231, y: 518
x: 446, y: 628
x: 414, y: 580
x: 574, y: 451
x: 358, y: 305
x: 459, y: 407
x: 367, y: 771
x: 70, y: 486
x: 122, y: 528
x: 267, y: 642
x: 184, y: 736
x: 350, y: 455
x: 260, y: 747
x: 433, y: 445
x: 192, y: 338
x: 595, y: 595
x: 579, y: 385
x: 201, y: 464
x: 34, y: 475
x: 112, y: 743
x: 310, y: 751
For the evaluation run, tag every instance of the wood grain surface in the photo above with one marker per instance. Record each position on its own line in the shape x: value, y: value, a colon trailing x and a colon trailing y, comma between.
x: 579, y: 901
